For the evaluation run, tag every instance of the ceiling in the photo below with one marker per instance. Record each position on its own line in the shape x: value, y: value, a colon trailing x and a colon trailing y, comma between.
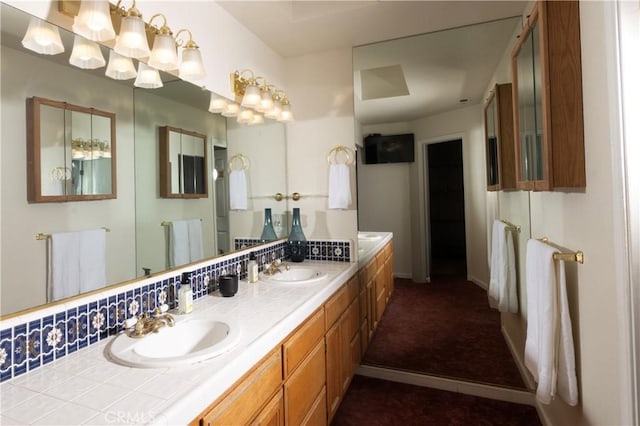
x: 438, y: 69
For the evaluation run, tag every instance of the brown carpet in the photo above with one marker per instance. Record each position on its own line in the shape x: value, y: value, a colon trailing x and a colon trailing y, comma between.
x: 375, y: 402
x: 443, y: 328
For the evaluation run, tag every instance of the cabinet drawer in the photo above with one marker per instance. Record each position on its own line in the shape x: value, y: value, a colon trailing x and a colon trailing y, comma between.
x: 252, y: 392
x: 372, y: 268
x: 352, y: 288
x: 301, y: 341
x: 336, y: 306
x: 304, y: 385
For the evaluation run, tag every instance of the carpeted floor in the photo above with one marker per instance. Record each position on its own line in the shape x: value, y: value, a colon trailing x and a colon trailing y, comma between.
x: 375, y: 402
x: 443, y: 328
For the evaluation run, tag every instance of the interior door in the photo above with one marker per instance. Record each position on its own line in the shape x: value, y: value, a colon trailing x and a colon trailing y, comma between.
x: 222, y: 200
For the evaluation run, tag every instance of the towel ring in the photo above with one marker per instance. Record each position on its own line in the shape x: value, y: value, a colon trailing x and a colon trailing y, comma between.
x: 332, y: 157
x: 244, y: 162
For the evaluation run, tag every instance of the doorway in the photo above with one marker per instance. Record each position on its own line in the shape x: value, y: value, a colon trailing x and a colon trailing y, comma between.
x: 221, y: 206
x: 445, y: 195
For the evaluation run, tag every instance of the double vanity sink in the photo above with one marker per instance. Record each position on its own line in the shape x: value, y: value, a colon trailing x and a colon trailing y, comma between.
x: 189, y: 339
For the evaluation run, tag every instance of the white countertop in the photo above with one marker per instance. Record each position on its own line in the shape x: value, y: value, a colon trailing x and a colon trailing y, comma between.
x: 87, y: 388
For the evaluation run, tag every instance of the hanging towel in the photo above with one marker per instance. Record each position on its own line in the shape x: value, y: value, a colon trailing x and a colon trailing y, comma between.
x: 93, y: 268
x: 503, y: 291
x: 179, y: 253
x: 194, y: 227
x: 238, y: 190
x: 549, y: 352
x: 339, y: 186
x: 77, y: 263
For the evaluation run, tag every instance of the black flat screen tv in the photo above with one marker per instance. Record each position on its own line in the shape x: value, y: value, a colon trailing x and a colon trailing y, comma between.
x: 388, y: 148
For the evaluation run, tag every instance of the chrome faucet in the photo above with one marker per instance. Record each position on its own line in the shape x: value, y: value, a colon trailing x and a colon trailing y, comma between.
x: 145, y: 324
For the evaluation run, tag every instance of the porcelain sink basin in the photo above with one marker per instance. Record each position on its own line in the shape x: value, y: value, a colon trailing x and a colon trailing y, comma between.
x: 295, y: 275
x: 187, y: 342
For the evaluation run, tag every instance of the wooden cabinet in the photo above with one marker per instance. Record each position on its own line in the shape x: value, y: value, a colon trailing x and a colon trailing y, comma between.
x: 498, y: 125
x: 342, y: 342
x: 273, y: 413
x: 547, y: 99
x: 249, y: 396
x: 305, y: 386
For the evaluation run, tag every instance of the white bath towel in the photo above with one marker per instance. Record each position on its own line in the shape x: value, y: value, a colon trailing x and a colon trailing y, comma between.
x: 93, y: 265
x: 503, y: 289
x: 179, y: 253
x: 77, y: 263
x: 238, y: 190
x: 339, y: 186
x: 195, y: 240
x: 549, y: 353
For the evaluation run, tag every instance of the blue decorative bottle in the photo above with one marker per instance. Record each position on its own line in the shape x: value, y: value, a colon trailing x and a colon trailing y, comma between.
x: 297, y: 242
x: 268, y: 233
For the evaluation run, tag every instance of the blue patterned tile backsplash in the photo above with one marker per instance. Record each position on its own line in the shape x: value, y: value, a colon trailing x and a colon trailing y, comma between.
x: 335, y: 250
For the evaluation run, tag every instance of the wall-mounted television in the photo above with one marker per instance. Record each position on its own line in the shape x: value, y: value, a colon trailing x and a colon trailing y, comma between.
x: 388, y: 148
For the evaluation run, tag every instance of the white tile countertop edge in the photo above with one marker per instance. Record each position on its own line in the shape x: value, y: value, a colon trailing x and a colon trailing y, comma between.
x: 115, y: 394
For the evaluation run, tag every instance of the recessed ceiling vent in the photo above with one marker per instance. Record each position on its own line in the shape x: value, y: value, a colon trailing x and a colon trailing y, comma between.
x: 383, y: 82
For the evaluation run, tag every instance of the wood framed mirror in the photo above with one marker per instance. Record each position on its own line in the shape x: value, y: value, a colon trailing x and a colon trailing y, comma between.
x: 183, y: 163
x: 71, y: 152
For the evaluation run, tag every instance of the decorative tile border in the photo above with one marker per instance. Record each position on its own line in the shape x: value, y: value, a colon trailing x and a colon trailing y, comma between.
x: 335, y: 250
x: 38, y: 338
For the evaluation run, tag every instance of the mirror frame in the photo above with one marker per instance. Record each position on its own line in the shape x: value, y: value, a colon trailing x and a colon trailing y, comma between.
x: 165, y: 164
x: 34, y: 171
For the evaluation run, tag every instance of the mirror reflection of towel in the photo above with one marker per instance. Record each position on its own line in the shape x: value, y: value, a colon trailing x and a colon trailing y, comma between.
x: 238, y: 190
x: 339, y: 186
x: 185, y: 242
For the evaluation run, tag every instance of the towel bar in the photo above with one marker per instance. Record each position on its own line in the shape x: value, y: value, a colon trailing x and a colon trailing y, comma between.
x: 577, y: 256
x: 334, y: 152
x: 168, y: 223
x: 242, y: 159
x: 511, y: 226
x: 41, y: 236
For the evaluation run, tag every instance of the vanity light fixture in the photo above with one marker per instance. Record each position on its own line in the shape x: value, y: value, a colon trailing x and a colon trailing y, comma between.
x: 93, y: 21
x: 120, y: 67
x: 257, y: 119
x: 254, y: 92
x: 191, y: 66
x: 132, y: 39
x: 42, y: 37
x: 148, y: 78
x: 266, y: 99
x: 285, y: 115
x: 164, y: 55
x: 86, y: 54
x: 276, y: 110
x: 217, y: 104
x: 231, y: 110
x: 245, y: 116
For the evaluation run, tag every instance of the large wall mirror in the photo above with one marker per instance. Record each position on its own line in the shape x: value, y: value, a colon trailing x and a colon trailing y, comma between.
x: 135, y: 218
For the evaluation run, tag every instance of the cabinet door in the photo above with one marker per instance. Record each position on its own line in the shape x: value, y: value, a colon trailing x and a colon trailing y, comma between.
x: 317, y: 415
x: 272, y: 414
x: 498, y: 116
x: 333, y: 366
x: 304, y: 386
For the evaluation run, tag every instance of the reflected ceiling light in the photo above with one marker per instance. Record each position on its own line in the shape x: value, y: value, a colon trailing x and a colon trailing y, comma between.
x: 86, y: 54
x: 148, y: 78
x: 94, y: 21
x: 132, y: 39
x: 42, y: 37
x: 257, y: 119
x: 245, y: 116
x: 164, y: 55
x: 120, y: 67
x: 217, y: 103
x: 191, y: 66
x: 231, y: 110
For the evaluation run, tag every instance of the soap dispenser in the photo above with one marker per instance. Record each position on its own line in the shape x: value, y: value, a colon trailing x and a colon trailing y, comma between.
x: 252, y: 268
x: 185, y: 294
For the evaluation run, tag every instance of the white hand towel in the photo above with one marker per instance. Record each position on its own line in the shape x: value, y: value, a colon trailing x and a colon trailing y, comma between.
x: 93, y: 268
x: 179, y: 243
x: 64, y: 271
x: 549, y: 353
x: 503, y: 291
x: 339, y: 186
x: 238, y: 190
x: 194, y: 227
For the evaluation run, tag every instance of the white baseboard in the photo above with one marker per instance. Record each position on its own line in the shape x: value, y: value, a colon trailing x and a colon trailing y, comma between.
x: 478, y: 282
x: 406, y: 275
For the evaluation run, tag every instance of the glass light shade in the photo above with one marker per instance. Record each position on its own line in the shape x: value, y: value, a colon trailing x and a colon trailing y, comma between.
x: 275, y: 111
x: 107, y: 152
x: 86, y: 54
x: 251, y: 97
x: 132, y: 40
x: 231, y: 110
x: 245, y: 116
x: 286, y: 114
x: 148, y: 78
x: 42, y: 37
x: 266, y: 101
x: 94, y: 21
x: 191, y: 67
x: 164, y: 55
x: 217, y: 103
x: 257, y: 119
x: 120, y: 67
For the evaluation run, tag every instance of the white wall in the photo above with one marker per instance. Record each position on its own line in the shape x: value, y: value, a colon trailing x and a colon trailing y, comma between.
x: 24, y: 269
x: 384, y: 200
x: 322, y: 83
